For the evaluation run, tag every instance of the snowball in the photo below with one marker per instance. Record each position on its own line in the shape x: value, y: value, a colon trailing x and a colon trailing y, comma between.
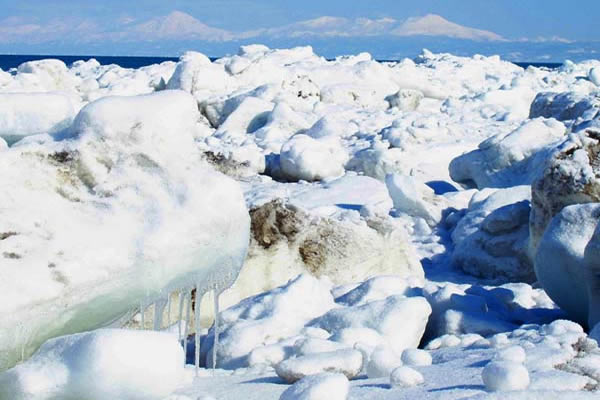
x: 416, y: 357
x: 513, y: 353
x: 403, y: 377
x: 25, y: 114
x: 348, y: 362
x: 324, y: 386
x: 99, y: 365
x: 303, y: 157
x: 505, y: 376
x: 382, y: 362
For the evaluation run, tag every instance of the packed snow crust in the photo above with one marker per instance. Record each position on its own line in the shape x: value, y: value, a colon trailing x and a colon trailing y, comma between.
x: 397, y: 230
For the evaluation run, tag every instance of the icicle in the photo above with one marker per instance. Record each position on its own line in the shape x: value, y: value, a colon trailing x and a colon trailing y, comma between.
x: 169, y: 310
x: 159, y: 309
x: 197, y: 328
x: 185, y: 330
x: 143, y: 322
x: 216, y: 329
x: 181, y: 301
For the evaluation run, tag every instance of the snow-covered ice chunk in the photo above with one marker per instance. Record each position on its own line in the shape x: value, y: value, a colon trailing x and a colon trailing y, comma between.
x: 398, y: 321
x: 594, y: 75
x: 559, y: 261
x: 303, y: 157
x: 505, y: 376
x: 348, y: 362
x: 566, y: 106
x: 99, y: 365
x: 404, y: 377
x: 25, y: 114
x: 416, y: 357
x: 492, y: 238
x: 323, y: 386
x: 115, y: 228
x: 405, y: 99
x: 592, y: 279
x: 512, y: 159
x: 382, y: 361
x: 415, y: 198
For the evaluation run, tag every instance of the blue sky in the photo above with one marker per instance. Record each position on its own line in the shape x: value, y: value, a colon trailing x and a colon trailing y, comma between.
x: 108, y: 25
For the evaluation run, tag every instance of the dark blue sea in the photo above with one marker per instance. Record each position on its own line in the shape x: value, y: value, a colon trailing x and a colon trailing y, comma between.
x: 13, y: 61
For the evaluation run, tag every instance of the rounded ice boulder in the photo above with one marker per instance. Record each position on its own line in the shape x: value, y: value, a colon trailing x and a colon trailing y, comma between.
x: 505, y: 376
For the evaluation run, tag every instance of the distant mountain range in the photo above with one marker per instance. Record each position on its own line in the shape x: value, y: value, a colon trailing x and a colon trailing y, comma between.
x: 170, y: 34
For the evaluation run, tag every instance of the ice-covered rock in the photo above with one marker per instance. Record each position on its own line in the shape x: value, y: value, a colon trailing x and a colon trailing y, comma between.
x: 324, y: 386
x: 348, y: 362
x: 99, y: 365
x: 25, y: 114
x: 405, y: 377
x: 512, y: 159
x: 492, y: 238
x: 505, y: 376
x: 116, y: 230
x: 569, y: 177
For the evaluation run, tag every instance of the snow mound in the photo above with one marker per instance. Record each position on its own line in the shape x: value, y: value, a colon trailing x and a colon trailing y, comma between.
x: 348, y: 362
x: 324, y: 386
x: 99, y: 365
x: 115, y: 230
x: 267, y: 318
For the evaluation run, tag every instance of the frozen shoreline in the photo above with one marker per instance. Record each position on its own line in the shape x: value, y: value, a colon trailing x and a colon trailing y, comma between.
x: 417, y: 172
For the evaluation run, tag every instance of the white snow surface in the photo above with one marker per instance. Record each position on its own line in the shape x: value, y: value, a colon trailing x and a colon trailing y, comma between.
x: 110, y: 200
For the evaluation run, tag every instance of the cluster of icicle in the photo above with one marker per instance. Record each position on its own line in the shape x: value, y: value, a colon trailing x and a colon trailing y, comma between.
x: 187, y: 302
